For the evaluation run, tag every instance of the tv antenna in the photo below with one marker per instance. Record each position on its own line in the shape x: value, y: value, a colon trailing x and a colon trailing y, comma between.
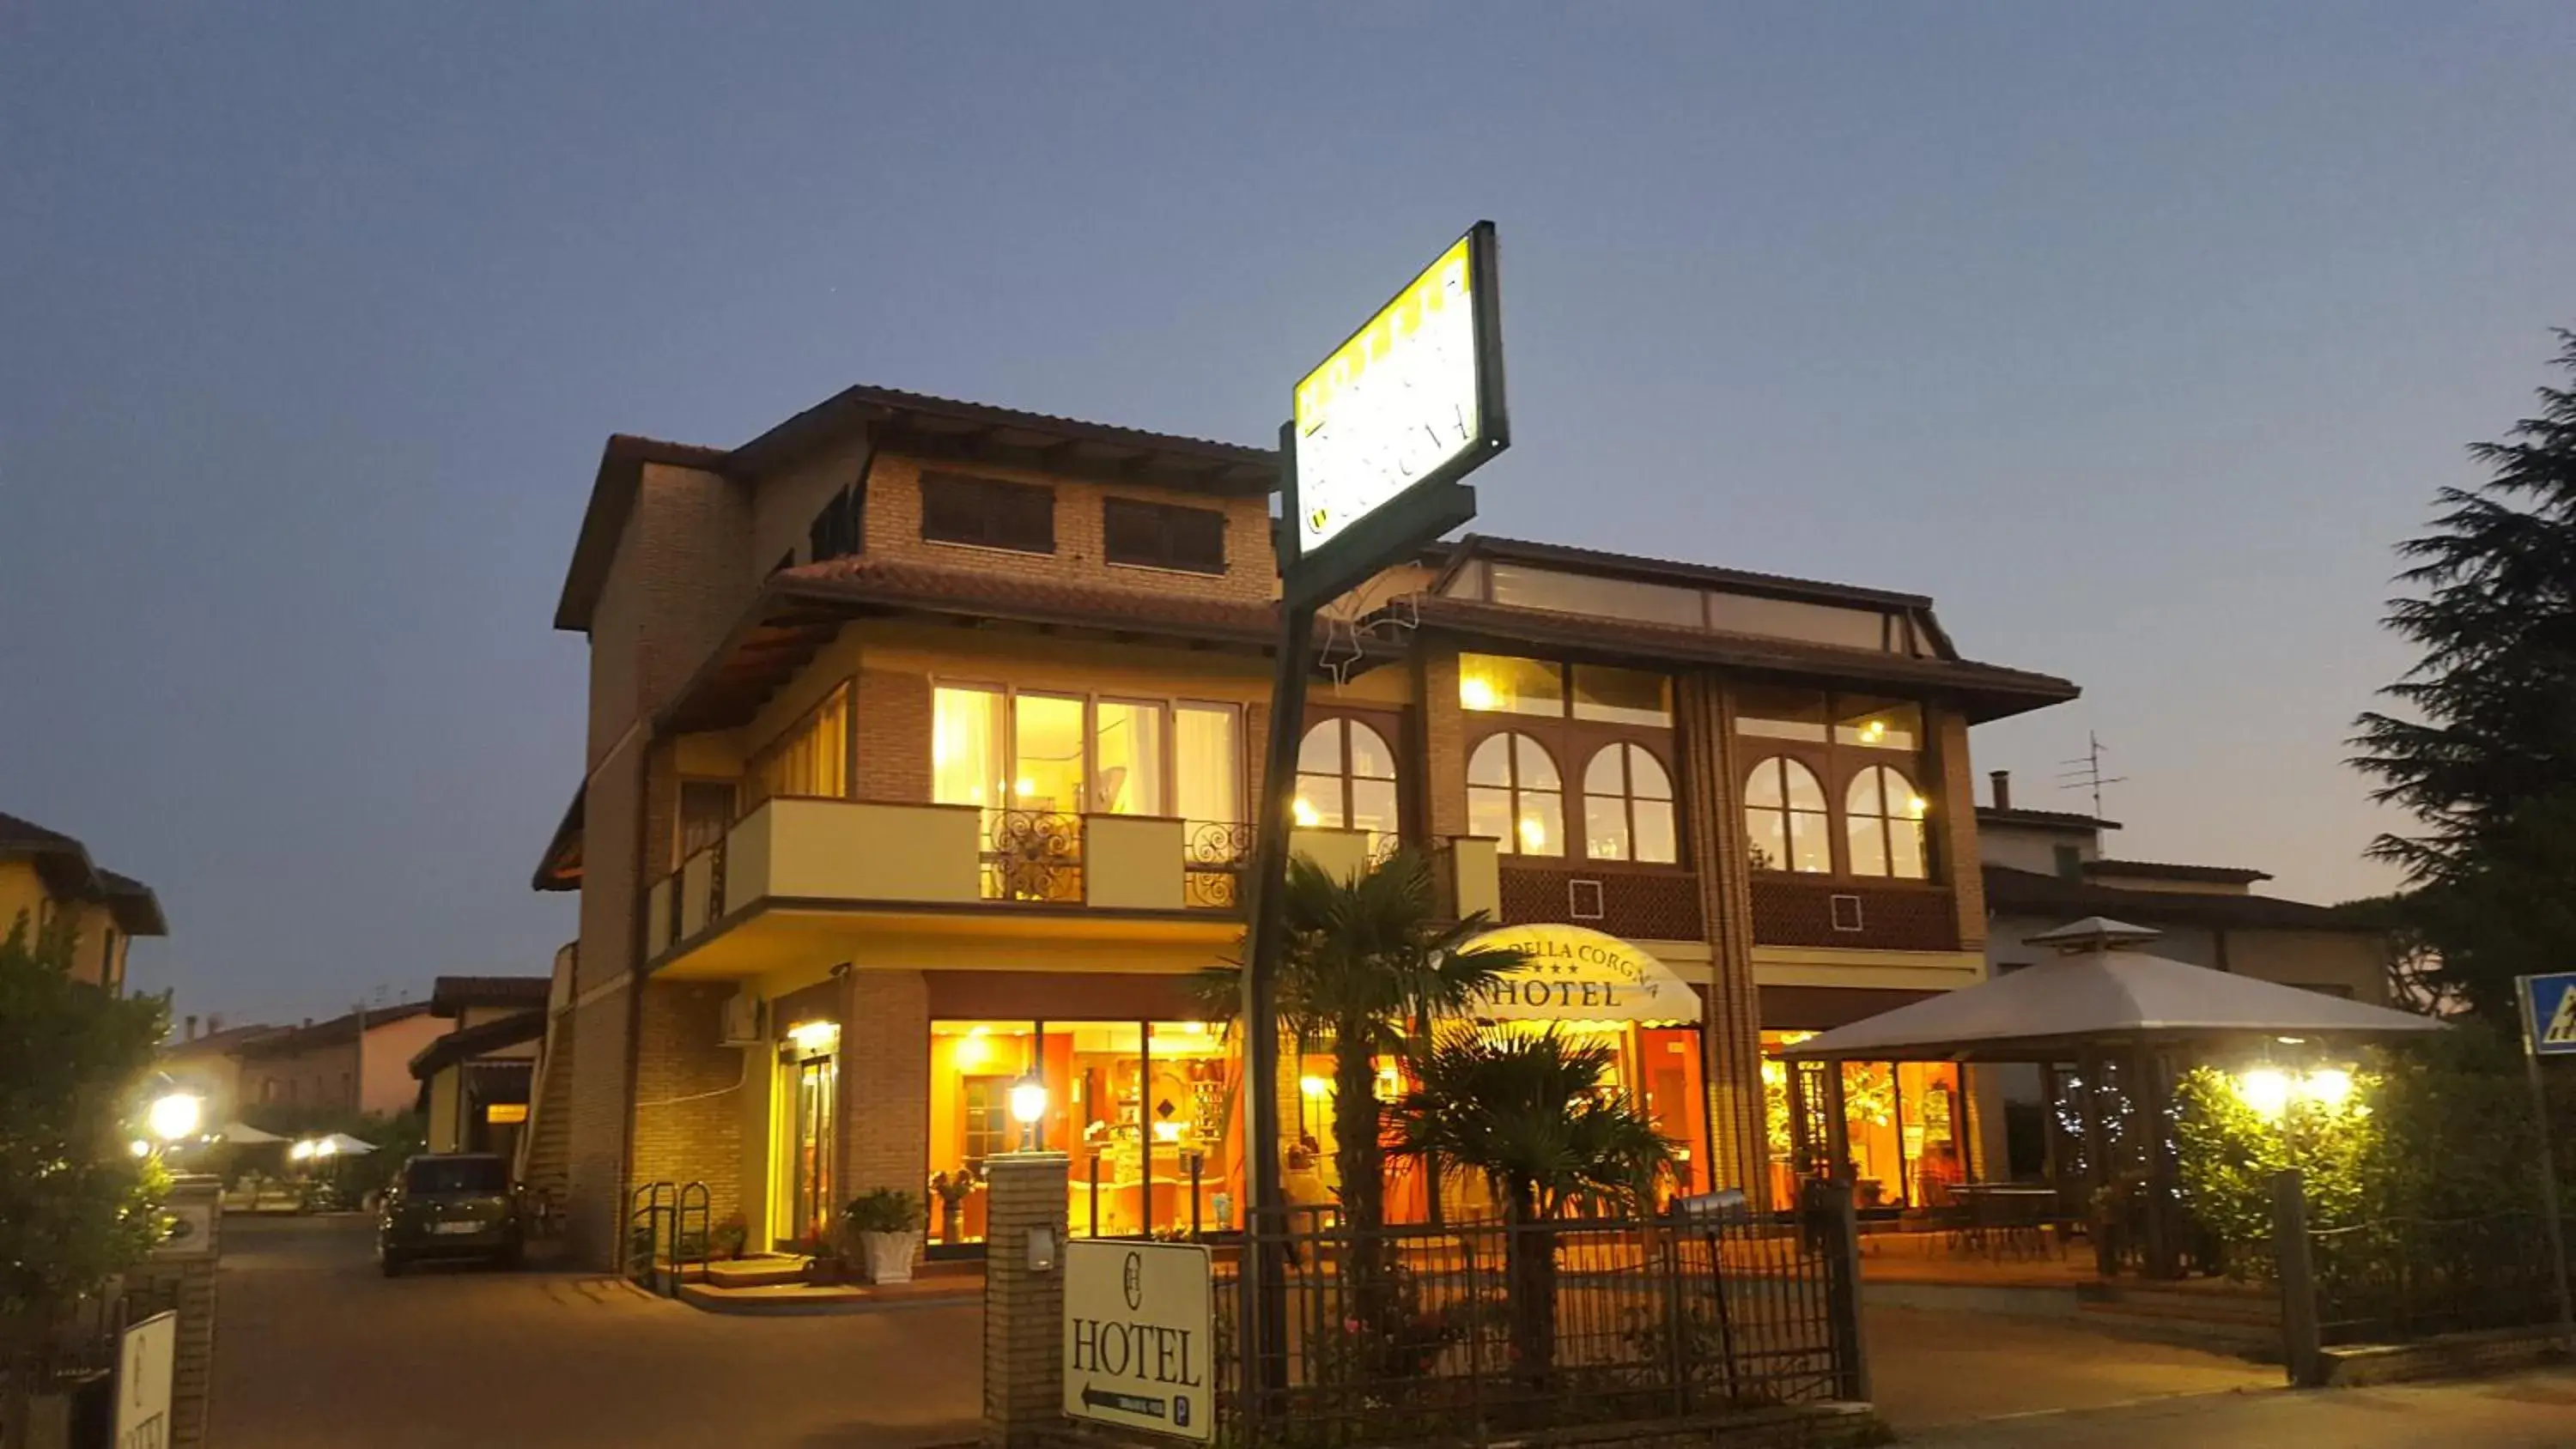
x: 2085, y: 772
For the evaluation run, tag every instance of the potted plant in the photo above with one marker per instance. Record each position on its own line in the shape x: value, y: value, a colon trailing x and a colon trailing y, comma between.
x: 953, y: 1189
x: 888, y: 1224
x: 730, y: 1236
x: 824, y: 1265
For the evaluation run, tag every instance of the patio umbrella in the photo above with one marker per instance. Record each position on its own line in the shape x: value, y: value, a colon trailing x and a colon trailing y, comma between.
x: 245, y: 1134
x: 2096, y: 996
x: 341, y: 1144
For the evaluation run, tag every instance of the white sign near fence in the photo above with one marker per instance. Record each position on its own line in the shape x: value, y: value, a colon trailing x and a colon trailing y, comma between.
x: 145, y: 1359
x: 1139, y: 1343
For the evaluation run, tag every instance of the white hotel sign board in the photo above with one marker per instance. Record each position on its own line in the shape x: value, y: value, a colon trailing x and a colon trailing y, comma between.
x: 147, y: 1359
x: 1138, y: 1336
x: 1410, y: 402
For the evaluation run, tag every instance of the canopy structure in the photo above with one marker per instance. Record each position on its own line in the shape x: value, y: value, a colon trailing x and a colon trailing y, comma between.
x: 341, y: 1144
x: 2100, y: 998
x: 244, y: 1134
x: 2111, y: 1029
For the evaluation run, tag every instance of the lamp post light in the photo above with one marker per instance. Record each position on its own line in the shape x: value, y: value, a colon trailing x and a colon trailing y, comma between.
x: 1028, y: 1104
x: 175, y: 1115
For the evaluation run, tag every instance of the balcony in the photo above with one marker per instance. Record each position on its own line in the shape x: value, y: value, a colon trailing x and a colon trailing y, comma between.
x: 786, y: 885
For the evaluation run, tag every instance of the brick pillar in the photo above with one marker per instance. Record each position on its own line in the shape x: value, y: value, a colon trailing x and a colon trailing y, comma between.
x: 885, y: 1083
x: 1954, y: 827
x: 1023, y: 1308
x: 185, y: 1273
x: 1732, y: 1031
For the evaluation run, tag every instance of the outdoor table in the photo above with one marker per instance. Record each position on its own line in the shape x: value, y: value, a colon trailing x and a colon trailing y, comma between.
x: 2006, y: 1216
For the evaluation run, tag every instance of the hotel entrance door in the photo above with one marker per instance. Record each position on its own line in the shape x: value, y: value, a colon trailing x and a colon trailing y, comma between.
x: 809, y: 1197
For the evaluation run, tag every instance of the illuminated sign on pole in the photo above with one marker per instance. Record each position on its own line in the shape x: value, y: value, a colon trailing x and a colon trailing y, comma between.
x: 1384, y: 428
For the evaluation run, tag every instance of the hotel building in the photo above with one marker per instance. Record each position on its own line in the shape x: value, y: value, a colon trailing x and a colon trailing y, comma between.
x: 923, y: 736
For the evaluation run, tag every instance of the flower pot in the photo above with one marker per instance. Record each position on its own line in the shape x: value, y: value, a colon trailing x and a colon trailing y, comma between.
x: 952, y: 1220
x: 889, y: 1255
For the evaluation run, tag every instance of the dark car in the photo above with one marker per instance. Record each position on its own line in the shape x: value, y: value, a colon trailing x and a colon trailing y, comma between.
x: 450, y: 1205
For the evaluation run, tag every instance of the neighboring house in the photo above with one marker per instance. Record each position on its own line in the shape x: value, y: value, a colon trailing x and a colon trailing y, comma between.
x: 475, y: 1080
x: 208, y: 1063
x: 360, y: 1062
x: 923, y: 742
x: 2045, y: 868
x: 45, y: 875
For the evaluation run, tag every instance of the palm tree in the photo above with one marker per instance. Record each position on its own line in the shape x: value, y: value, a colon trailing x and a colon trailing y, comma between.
x: 1369, y: 959
x: 1537, y: 1116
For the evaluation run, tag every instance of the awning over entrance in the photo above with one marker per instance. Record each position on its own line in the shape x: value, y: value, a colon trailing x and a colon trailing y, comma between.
x: 1577, y: 974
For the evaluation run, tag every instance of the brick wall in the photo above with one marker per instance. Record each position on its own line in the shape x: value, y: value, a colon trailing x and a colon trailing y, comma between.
x: 894, y: 531
x: 893, y: 721
x: 1732, y: 1030
x: 885, y: 1083
x: 1957, y: 826
x: 595, y: 1142
x: 688, y: 1108
x: 1023, y: 1308
x: 1444, y: 731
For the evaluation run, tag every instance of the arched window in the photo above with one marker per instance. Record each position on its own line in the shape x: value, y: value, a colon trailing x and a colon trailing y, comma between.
x: 1515, y: 796
x: 1883, y: 819
x: 1628, y: 806
x: 1346, y: 779
x: 1785, y: 819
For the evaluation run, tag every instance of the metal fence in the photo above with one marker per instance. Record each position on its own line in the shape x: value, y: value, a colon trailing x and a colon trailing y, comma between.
x: 2399, y: 1279
x: 1475, y: 1331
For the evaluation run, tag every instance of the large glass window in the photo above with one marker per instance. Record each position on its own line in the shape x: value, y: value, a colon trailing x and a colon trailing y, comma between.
x: 810, y: 757
x: 1208, y: 773
x: 1515, y: 795
x: 966, y: 747
x: 1046, y: 751
x: 1785, y: 819
x: 1130, y: 747
x: 1883, y: 823
x: 1346, y: 779
x: 1622, y: 696
x: 1628, y: 806
x: 1592, y: 594
x: 1780, y: 714
x: 1878, y: 724
x: 1500, y: 684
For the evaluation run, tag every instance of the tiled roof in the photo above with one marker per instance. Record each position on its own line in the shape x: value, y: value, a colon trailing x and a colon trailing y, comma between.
x: 2063, y: 819
x: 860, y: 577
x: 473, y: 1041
x: 2029, y: 893
x: 1561, y: 555
x: 2159, y: 870
x: 67, y: 870
x: 327, y: 1033
x: 449, y: 995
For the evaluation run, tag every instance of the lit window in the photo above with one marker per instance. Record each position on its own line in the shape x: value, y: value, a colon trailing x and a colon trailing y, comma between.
x: 810, y: 758
x: 1883, y: 820
x: 1499, y: 684
x: 1878, y: 724
x: 1622, y: 696
x: 1515, y: 796
x: 1346, y: 779
x: 1784, y: 818
x: 1628, y: 806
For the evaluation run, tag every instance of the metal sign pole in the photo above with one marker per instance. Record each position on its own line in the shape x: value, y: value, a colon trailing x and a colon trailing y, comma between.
x: 2548, y: 1162
x: 1261, y: 1280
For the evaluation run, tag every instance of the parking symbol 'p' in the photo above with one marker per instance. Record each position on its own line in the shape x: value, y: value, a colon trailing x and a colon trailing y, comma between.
x: 1181, y: 1411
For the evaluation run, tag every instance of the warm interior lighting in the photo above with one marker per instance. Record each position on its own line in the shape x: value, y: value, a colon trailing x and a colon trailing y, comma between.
x: 1025, y: 787
x: 1167, y: 1131
x: 1314, y: 1086
x: 1307, y: 818
x: 2266, y: 1090
x: 176, y: 1115
x: 2328, y: 1087
x: 815, y: 1037
x: 1388, y: 1084
x: 300, y: 1151
x: 1533, y: 834
x: 140, y: 1147
x: 1916, y: 805
x: 1028, y: 1100
x: 1476, y: 692
x: 973, y: 1050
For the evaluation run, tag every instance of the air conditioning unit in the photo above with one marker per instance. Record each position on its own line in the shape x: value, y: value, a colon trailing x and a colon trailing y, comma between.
x: 741, y: 1026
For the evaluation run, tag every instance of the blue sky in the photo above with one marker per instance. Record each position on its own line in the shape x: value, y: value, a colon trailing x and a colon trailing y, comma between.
x: 2134, y: 338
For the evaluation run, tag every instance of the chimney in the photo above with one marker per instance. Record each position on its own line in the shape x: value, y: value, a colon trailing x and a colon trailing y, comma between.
x: 2003, y: 788
x: 214, y: 1023
x: 308, y: 1021
x: 192, y: 1029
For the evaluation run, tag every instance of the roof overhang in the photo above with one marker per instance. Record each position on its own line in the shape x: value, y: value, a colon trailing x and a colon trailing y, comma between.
x: 1984, y: 691
x: 559, y: 869
x: 612, y: 501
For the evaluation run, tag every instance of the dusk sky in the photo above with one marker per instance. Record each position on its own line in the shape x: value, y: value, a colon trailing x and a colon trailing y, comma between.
x: 2134, y: 342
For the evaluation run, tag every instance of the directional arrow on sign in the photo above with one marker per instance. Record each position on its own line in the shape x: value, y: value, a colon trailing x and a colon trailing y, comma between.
x: 1094, y: 1397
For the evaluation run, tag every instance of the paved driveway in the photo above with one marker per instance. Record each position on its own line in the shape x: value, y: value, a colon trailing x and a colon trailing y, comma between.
x: 315, y: 1348
x: 1930, y: 1367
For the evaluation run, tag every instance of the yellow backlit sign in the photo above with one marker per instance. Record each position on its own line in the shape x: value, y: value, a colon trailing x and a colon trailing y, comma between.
x: 502, y: 1114
x: 1413, y: 397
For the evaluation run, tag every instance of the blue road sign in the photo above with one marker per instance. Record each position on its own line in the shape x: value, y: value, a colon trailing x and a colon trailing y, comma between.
x: 2549, y: 1013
